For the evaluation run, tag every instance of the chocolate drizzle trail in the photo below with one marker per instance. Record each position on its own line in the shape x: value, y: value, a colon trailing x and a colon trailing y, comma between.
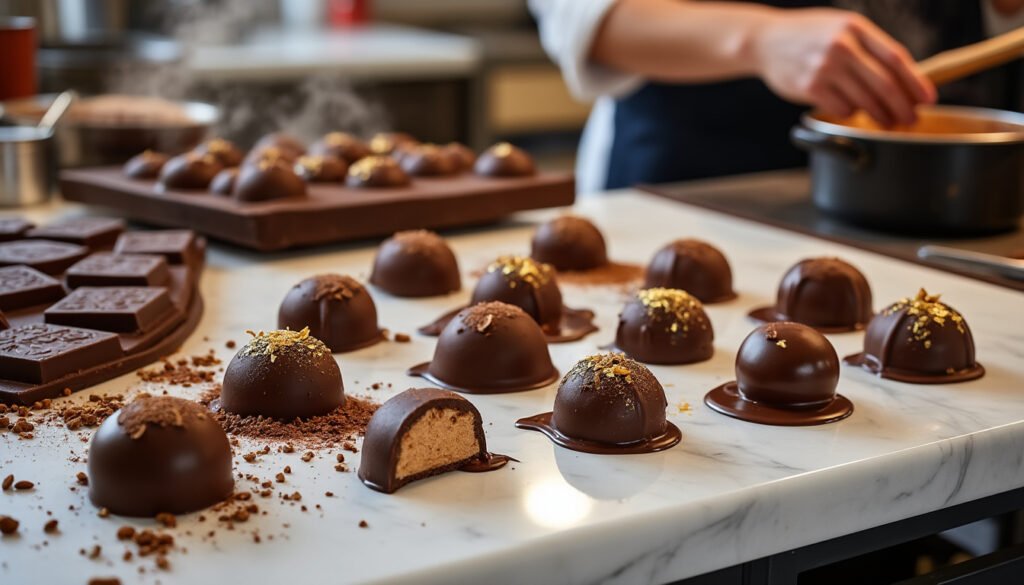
x: 919, y: 340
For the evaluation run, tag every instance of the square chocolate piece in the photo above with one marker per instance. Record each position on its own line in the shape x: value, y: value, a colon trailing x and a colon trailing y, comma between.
x: 43, y: 255
x: 41, y: 353
x: 120, y: 309
x: 21, y: 286
x: 106, y: 269
x: 93, y: 232
x: 14, y: 228
x: 178, y: 246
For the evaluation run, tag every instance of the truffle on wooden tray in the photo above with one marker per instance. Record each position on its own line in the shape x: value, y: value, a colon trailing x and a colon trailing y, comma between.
x: 504, y: 160
x: 189, y: 171
x: 825, y: 293
x: 223, y: 183
x: 463, y: 157
x: 321, y: 168
x: 417, y: 263
x: 608, y: 404
x: 282, y: 375
x: 920, y: 340
x: 284, y: 145
x: 490, y: 348
x: 389, y: 142
x: 665, y: 326
x: 420, y: 433
x: 428, y: 160
x: 569, y: 243
x: 694, y: 266
x: 159, y: 454
x: 266, y: 180
x: 376, y: 171
x: 786, y: 375
x: 337, y: 310
x: 341, y: 145
x: 223, y: 150
x: 145, y: 165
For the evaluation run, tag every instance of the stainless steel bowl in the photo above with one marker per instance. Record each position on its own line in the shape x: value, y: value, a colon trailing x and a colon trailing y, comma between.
x: 27, y: 165
x: 82, y: 143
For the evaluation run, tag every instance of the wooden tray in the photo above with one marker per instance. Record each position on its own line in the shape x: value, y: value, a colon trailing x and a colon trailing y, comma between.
x: 330, y: 213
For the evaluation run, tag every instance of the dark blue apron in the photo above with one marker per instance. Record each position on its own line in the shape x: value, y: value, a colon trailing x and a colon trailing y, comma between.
x: 667, y: 132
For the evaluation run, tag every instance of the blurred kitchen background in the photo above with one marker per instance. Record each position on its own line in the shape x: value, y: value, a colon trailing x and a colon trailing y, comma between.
x: 445, y: 70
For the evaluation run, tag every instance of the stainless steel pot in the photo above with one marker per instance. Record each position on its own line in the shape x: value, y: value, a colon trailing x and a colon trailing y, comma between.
x: 958, y: 170
x: 27, y: 165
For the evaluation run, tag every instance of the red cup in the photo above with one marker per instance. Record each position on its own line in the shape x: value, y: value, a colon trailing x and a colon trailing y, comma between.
x: 17, y: 57
x: 342, y: 13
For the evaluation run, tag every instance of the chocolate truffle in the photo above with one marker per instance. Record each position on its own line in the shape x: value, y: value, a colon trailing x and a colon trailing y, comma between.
x: 919, y: 340
x: 825, y: 293
x: 146, y: 165
x: 786, y: 374
x: 376, y: 171
x: 159, y: 454
x: 490, y: 348
x: 416, y: 264
x: 608, y: 403
x: 225, y: 151
x: 284, y: 144
x: 223, y: 183
x: 665, y: 326
x: 463, y: 157
x: 694, y: 266
x: 388, y: 142
x: 504, y: 160
x: 336, y: 309
x: 428, y: 160
x: 525, y: 283
x: 266, y: 180
x: 569, y: 243
x: 271, y: 153
x: 189, y: 171
x: 321, y: 169
x: 283, y: 375
x: 420, y: 433
x: 341, y: 145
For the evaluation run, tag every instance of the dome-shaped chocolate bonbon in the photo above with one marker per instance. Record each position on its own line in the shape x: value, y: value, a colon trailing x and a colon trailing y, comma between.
x: 920, y: 340
x: 825, y: 293
x: 189, y: 171
x: 569, y: 243
x: 490, y: 348
x: 665, y: 326
x: 416, y: 263
x: 267, y: 179
x: 159, y: 454
x: 145, y: 165
x: 694, y: 266
x: 282, y: 375
x: 282, y: 144
x: 376, y: 171
x: 321, y: 169
x: 335, y: 308
x: 504, y: 160
x: 525, y: 283
x: 341, y: 145
x: 428, y: 160
x: 786, y: 374
x: 223, y: 150
x: 608, y: 403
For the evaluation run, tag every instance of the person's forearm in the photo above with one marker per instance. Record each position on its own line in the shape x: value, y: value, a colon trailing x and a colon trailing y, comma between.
x: 680, y: 41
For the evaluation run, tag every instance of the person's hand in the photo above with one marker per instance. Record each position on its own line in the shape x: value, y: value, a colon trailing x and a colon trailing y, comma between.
x: 839, y: 62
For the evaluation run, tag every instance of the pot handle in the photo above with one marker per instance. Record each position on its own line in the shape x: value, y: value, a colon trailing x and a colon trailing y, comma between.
x: 811, y: 140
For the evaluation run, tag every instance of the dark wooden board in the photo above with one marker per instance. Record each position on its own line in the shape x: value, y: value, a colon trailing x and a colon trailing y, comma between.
x: 330, y: 213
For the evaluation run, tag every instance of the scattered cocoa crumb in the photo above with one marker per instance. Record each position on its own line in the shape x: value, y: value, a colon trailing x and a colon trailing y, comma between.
x: 163, y: 563
x: 288, y: 469
x: 296, y: 496
x: 307, y: 456
x: 288, y: 448
x: 82, y: 478
x: 364, y: 524
x: 24, y: 484
x: 167, y: 520
x: 183, y: 372
x: 50, y: 527
x: 341, y: 467
x: 342, y: 425
x: 8, y: 525
x: 340, y: 457
x: 8, y: 482
x: 125, y: 533
x: 279, y: 477
x: 89, y: 414
x: 103, y: 513
x: 329, y: 494
x: 96, y: 551
x: 104, y: 581
x: 249, y: 457
x: 402, y: 337
x: 230, y: 344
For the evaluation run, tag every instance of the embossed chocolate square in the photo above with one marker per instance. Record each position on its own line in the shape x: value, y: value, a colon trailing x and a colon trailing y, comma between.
x: 106, y: 269
x: 41, y: 353
x: 43, y: 255
x: 118, y: 309
x: 93, y: 232
x: 177, y: 246
x: 14, y: 228
x: 21, y: 286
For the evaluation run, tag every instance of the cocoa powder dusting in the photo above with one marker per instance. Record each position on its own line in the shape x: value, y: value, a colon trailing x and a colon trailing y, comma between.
x: 609, y: 274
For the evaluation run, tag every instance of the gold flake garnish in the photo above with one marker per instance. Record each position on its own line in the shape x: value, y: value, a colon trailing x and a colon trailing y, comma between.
x: 680, y: 306
x: 364, y: 167
x: 502, y: 149
x: 272, y: 342
x: 485, y: 324
x: 608, y: 365
x: 927, y: 311
x: 524, y: 268
x: 781, y: 343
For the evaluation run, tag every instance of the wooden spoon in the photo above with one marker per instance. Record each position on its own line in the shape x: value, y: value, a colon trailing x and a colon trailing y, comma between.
x: 954, y: 64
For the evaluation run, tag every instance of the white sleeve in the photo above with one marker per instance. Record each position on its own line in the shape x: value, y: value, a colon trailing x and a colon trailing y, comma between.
x: 567, y: 29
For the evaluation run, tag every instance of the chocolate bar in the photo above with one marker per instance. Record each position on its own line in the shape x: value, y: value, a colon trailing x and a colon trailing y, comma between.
x: 106, y: 269
x: 177, y: 246
x: 13, y: 228
x: 41, y: 352
x: 118, y: 309
x: 21, y: 286
x: 43, y: 255
x: 94, y: 232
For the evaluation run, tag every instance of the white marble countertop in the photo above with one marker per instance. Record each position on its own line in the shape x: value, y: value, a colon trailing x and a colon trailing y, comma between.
x: 371, y: 52
x: 730, y: 492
